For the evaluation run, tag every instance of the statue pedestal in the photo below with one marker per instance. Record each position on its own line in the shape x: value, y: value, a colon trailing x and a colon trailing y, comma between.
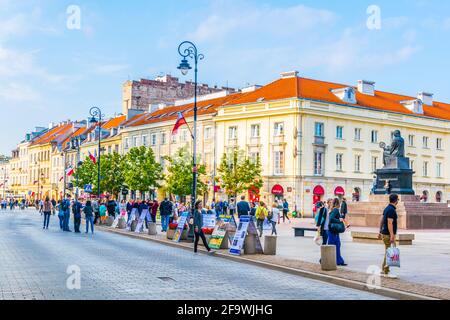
x: 399, y: 176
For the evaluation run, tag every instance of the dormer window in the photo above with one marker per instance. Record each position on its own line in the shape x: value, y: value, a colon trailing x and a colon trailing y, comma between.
x: 347, y: 95
x: 415, y: 105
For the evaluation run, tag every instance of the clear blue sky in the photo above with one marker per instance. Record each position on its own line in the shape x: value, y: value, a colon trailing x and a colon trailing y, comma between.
x: 50, y: 73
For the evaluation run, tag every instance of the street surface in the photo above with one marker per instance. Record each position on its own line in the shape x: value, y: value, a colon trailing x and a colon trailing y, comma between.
x: 34, y: 264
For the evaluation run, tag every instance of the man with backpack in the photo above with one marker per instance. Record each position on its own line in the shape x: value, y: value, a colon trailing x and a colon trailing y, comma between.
x: 65, y: 208
x: 76, y: 210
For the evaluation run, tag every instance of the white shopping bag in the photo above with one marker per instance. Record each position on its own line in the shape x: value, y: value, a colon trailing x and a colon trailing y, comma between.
x: 393, y: 257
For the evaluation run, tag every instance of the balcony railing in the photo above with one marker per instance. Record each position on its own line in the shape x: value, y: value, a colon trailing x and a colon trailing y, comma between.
x: 279, y: 139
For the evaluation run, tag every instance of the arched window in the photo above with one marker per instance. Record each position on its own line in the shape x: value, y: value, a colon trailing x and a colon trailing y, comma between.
x: 439, y: 196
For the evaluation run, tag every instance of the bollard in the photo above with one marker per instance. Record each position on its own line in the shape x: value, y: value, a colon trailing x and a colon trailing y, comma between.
x: 133, y: 225
x: 250, y: 244
x: 109, y: 221
x: 328, y: 258
x: 170, y: 233
x: 270, y: 245
x: 122, y: 223
x: 152, y: 229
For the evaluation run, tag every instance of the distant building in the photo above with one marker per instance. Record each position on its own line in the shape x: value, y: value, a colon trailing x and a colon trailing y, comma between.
x: 151, y: 95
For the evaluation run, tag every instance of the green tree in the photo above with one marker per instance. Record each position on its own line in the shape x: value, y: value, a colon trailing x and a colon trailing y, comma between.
x: 87, y: 174
x: 238, y: 173
x: 112, y: 173
x: 179, y: 177
x: 141, y: 170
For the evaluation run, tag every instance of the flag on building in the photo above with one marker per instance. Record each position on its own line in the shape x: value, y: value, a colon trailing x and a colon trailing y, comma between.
x: 69, y: 171
x: 93, y: 158
x: 180, y: 122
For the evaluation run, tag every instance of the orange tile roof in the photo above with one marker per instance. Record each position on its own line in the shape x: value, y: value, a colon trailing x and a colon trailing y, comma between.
x: 322, y: 91
x: 52, y: 134
x: 114, y: 122
x: 170, y: 113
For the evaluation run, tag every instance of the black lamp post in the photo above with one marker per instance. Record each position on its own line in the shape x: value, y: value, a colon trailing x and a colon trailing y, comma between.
x: 188, y: 50
x: 96, y: 115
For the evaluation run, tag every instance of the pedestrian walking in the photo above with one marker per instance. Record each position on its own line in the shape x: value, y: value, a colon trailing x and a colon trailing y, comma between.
x: 253, y: 209
x: 65, y: 207
x: 232, y: 207
x: 335, y: 227
x: 285, y: 211
x: 47, y: 209
x: 323, y: 219
x: 154, y: 210
x: 96, y: 208
x: 102, y: 210
x: 123, y: 209
x: 89, y: 216
x: 111, y: 207
x: 273, y: 217
x: 198, y: 225
x: 54, y: 206
x: 165, y: 210
x: 261, y: 214
x: 344, y: 212
x: 243, y: 208
x: 388, y: 230
x: 76, y: 210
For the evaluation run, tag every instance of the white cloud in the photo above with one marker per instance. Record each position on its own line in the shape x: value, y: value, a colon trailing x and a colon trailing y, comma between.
x: 15, y: 92
x: 263, y: 20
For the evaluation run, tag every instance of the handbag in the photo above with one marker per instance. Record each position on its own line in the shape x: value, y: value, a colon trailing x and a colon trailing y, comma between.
x: 270, y: 215
x: 393, y: 257
x: 337, y: 227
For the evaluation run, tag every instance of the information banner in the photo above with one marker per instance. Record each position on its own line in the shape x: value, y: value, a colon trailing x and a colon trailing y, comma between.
x: 217, y: 237
x: 133, y: 214
x: 181, y: 222
x: 239, y: 237
x: 209, y: 220
x: 140, y: 225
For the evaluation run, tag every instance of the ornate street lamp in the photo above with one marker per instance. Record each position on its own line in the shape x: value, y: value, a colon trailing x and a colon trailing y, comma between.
x: 96, y: 115
x: 188, y: 50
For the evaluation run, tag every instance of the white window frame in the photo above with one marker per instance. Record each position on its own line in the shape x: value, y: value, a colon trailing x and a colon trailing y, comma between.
x: 278, y: 129
x: 278, y: 163
x: 339, y: 158
x: 255, y: 130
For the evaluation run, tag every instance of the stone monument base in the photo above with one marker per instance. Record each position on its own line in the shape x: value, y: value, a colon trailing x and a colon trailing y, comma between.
x: 412, y: 214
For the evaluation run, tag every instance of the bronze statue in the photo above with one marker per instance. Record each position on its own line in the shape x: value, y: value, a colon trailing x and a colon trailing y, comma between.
x: 395, y: 150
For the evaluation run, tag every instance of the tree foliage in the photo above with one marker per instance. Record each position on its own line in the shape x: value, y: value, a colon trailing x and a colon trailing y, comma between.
x: 141, y: 170
x: 238, y: 173
x: 112, y: 173
x: 179, y: 176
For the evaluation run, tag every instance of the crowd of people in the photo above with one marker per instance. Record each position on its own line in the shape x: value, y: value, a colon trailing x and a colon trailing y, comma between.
x: 13, y: 204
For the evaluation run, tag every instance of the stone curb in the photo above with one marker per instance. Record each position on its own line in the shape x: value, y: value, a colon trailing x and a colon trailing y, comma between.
x: 353, y: 284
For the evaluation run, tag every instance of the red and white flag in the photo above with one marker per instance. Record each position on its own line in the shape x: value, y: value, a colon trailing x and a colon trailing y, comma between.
x: 93, y: 158
x: 180, y: 122
x: 69, y: 171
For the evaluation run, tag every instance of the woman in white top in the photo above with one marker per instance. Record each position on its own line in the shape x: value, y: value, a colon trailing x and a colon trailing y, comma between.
x: 273, y: 218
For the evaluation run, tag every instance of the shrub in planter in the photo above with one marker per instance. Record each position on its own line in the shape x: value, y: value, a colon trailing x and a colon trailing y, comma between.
x: 208, y: 231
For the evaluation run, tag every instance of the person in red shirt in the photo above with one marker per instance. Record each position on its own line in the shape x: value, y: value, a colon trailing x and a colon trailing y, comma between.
x: 155, y: 207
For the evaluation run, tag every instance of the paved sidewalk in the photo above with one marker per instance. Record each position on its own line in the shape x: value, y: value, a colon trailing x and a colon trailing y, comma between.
x: 424, y: 269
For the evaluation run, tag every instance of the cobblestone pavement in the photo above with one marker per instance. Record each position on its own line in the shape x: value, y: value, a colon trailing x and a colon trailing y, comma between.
x: 34, y: 263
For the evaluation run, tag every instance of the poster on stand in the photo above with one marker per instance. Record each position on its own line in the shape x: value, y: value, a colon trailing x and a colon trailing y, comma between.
x: 209, y: 220
x: 218, y: 235
x: 181, y: 222
x: 140, y: 225
x: 241, y: 232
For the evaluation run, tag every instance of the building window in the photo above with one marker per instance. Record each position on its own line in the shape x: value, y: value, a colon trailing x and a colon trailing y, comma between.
x: 411, y: 140
x: 411, y: 164
x: 174, y: 138
x: 126, y: 143
x: 425, y: 142
x: 208, y: 131
x: 279, y: 129
x: 116, y: 148
x: 232, y: 133
x: 439, y: 143
x: 278, y: 162
x: 144, y: 141
x: 154, y: 139
x: 255, y: 130
x: 109, y: 149
x: 318, y: 163
x: 318, y: 129
x: 425, y: 169
x: 254, y: 156
x: 339, y: 157
x: 374, y: 137
x: 357, y: 163
x: 439, y: 170
x: 135, y: 141
x: 357, y: 134
x: 374, y: 164
x: 163, y: 138
x: 339, y: 132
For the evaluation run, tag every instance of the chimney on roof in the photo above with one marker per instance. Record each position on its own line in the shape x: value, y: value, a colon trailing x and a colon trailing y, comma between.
x: 289, y: 74
x: 366, y: 87
x: 251, y: 88
x: 426, y: 98
x: 51, y: 125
